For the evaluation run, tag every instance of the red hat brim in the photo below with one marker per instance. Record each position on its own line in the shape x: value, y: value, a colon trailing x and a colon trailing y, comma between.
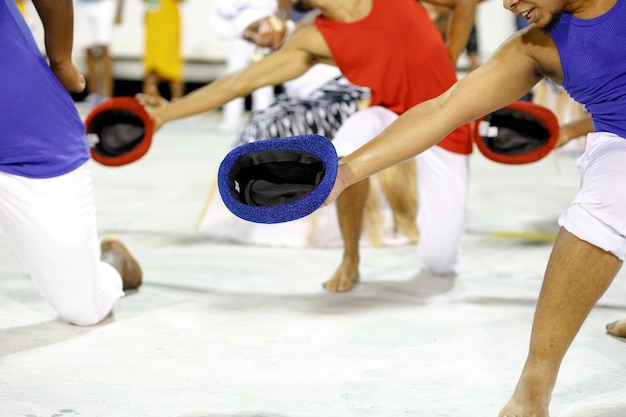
x: 520, y: 133
x: 119, y: 131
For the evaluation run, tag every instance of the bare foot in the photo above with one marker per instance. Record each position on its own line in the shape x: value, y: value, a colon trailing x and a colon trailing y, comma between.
x: 344, y: 278
x: 114, y: 252
x: 617, y: 328
x: 513, y: 409
x: 530, y: 399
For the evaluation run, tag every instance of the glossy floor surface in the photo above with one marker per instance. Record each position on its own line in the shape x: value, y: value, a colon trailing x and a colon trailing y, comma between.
x: 221, y: 330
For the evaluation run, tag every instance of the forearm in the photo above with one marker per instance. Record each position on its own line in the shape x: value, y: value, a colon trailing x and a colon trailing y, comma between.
x: 275, y: 69
x: 209, y: 97
x: 400, y: 141
x: 481, y: 92
x: 57, y: 18
x: 575, y: 129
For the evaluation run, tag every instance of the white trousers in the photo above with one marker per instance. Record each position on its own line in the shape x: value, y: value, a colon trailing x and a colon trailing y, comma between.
x: 95, y: 21
x: 442, y: 189
x: 52, y: 225
x: 598, y: 213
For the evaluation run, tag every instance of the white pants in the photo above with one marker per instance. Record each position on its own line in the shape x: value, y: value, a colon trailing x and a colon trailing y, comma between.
x: 442, y: 189
x: 52, y: 224
x: 598, y: 213
x: 95, y: 21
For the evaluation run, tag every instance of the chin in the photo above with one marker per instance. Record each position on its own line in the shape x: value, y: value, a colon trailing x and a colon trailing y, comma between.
x: 551, y: 24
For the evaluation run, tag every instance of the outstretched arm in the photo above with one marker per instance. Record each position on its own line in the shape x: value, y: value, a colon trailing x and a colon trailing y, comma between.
x: 505, y: 77
x: 57, y: 17
x: 293, y: 60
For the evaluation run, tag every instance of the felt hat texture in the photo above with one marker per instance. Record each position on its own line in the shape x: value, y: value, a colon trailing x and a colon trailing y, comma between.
x: 278, y: 180
x: 520, y: 133
x: 119, y: 131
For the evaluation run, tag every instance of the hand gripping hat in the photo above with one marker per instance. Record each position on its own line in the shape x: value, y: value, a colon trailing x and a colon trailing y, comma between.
x: 278, y: 180
x: 519, y: 133
x: 119, y: 131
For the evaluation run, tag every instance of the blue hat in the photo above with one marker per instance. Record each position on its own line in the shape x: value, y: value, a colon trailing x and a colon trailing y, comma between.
x: 278, y: 180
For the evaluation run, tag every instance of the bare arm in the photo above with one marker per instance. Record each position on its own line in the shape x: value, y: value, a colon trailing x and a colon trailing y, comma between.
x: 505, y: 77
x: 574, y: 129
x: 291, y: 61
x: 57, y: 17
x: 460, y: 24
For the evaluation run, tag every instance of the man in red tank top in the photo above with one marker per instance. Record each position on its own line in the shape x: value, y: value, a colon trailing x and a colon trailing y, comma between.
x: 394, y: 49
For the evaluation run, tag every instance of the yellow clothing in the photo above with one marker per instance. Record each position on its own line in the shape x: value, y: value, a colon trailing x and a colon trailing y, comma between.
x: 162, y: 53
x: 21, y: 6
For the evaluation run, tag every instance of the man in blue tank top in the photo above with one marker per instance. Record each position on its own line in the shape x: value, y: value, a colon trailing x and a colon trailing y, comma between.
x: 579, y: 44
x: 46, y: 199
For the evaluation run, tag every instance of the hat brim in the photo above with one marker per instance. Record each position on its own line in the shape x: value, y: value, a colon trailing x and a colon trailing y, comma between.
x: 520, y: 133
x: 119, y: 131
x: 278, y: 180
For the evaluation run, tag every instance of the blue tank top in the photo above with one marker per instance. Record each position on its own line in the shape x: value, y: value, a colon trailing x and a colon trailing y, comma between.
x: 41, y: 132
x: 593, y: 57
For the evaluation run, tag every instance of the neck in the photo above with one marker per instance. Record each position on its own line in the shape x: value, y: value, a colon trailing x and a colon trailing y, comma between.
x: 588, y: 9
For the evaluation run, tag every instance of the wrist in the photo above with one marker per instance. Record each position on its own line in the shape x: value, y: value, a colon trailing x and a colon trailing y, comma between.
x: 59, y: 63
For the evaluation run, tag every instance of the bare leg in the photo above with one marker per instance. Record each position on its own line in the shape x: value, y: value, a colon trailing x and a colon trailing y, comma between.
x: 177, y: 89
x: 350, y: 209
x: 151, y: 84
x: 577, y: 275
x: 398, y: 183
x: 107, y: 72
x: 92, y: 73
x: 617, y: 328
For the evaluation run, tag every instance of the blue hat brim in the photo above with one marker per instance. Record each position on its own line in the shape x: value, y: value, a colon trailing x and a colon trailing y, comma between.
x: 317, y: 146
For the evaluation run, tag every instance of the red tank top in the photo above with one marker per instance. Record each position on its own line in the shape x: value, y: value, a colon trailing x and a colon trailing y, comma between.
x: 398, y: 53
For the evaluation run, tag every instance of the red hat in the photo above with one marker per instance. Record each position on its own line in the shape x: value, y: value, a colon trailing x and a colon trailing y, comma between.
x: 119, y: 131
x: 520, y: 133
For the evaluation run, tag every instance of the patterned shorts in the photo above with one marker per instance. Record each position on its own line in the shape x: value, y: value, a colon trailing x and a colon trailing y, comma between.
x: 323, y: 113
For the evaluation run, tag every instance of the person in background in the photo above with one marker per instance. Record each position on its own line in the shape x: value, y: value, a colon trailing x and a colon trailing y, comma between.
x: 97, y: 18
x: 364, y: 39
x: 162, y: 61
x: 318, y: 101
x: 228, y: 20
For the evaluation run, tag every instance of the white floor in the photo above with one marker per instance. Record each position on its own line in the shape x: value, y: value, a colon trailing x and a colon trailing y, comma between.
x: 229, y: 330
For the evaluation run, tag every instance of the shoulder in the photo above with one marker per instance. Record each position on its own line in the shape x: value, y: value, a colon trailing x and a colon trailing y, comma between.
x: 309, y: 39
x: 538, y: 48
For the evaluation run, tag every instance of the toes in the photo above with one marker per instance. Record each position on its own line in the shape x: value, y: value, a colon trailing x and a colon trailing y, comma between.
x: 337, y: 286
x: 617, y: 328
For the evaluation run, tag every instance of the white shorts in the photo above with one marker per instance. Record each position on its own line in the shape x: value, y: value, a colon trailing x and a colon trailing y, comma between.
x: 52, y: 224
x: 95, y: 21
x: 598, y: 213
x: 442, y: 189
